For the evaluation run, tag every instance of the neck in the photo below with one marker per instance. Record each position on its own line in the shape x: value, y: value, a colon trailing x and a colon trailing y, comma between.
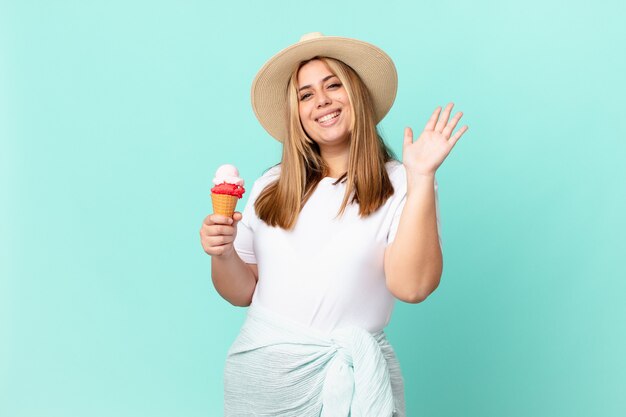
x: 337, y: 162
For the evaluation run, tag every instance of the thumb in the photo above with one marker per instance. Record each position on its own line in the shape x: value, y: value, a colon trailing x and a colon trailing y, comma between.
x: 236, y: 217
x: 408, y: 137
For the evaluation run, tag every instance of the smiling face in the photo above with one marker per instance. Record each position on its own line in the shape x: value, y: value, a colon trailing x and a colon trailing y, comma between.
x: 324, y: 107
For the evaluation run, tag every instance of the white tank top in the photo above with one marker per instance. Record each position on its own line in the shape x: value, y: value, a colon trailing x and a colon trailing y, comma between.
x: 328, y: 271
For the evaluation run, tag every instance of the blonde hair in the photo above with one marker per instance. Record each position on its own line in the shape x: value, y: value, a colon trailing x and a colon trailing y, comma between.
x: 302, y: 166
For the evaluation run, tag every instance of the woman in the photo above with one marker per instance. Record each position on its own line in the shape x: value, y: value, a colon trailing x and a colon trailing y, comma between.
x: 329, y: 238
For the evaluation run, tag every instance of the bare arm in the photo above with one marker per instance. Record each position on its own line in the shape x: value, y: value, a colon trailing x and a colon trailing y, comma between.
x: 233, y: 279
x: 413, y: 262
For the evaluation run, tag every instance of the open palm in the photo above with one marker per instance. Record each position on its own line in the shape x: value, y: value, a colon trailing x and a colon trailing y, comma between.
x: 434, y: 144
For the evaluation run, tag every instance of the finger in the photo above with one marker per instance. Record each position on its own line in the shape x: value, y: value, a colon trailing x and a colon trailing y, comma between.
x: 215, y: 250
x: 213, y: 241
x: 217, y: 219
x: 443, y: 120
x: 217, y: 230
x: 237, y: 216
x: 453, y: 140
x: 207, y: 220
x: 430, y: 125
x: 212, y: 219
x: 447, y: 131
x: 408, y: 136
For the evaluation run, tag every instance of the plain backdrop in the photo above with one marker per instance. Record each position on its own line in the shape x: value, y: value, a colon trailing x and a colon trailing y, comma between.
x: 115, y: 114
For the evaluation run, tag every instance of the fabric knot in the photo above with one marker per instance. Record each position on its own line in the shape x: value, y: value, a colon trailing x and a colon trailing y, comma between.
x: 338, y: 388
x: 342, y: 354
x: 357, y: 379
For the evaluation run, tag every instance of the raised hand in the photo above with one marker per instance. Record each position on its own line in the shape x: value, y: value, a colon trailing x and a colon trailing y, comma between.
x: 428, y: 152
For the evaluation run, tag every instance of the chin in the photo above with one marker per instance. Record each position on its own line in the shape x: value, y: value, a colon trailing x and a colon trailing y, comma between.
x: 332, y: 142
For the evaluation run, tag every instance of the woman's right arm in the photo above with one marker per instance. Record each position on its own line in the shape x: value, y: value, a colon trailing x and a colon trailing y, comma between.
x: 233, y: 279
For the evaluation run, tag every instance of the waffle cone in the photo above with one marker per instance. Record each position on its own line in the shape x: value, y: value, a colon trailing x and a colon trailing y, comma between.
x: 224, y: 204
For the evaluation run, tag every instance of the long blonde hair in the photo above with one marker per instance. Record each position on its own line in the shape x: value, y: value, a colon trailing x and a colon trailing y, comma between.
x: 302, y: 166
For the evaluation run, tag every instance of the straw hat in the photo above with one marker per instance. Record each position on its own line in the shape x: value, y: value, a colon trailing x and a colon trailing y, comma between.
x: 269, y: 88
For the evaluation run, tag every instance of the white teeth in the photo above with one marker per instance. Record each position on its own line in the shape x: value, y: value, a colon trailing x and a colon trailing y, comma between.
x: 328, y: 117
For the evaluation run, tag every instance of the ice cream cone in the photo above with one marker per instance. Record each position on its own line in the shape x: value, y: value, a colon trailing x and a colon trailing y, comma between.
x: 224, y: 204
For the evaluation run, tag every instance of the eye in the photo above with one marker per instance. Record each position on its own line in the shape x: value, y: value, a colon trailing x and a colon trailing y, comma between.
x: 305, y: 96
x: 334, y: 86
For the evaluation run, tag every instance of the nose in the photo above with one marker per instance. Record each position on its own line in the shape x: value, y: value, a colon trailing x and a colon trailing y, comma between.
x: 322, y: 99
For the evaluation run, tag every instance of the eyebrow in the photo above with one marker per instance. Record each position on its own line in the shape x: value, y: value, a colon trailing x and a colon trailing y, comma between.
x: 328, y: 77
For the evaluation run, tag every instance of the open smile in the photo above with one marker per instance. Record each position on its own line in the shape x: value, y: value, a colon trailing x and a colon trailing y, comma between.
x: 329, y: 119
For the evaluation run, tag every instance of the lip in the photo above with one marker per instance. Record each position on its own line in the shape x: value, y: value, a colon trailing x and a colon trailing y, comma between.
x: 331, y: 121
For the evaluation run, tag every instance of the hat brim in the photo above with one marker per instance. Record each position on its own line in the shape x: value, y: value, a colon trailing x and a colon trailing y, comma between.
x: 269, y: 88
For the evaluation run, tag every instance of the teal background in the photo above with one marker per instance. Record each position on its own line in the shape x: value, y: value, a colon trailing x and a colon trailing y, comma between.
x: 115, y: 114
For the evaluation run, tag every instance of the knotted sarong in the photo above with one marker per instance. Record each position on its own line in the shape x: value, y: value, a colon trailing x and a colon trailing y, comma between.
x: 277, y: 367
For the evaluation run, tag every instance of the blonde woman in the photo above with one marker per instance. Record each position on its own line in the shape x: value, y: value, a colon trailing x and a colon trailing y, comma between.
x: 329, y: 238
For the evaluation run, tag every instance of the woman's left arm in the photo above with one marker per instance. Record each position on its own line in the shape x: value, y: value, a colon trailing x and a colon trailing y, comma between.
x: 413, y: 261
